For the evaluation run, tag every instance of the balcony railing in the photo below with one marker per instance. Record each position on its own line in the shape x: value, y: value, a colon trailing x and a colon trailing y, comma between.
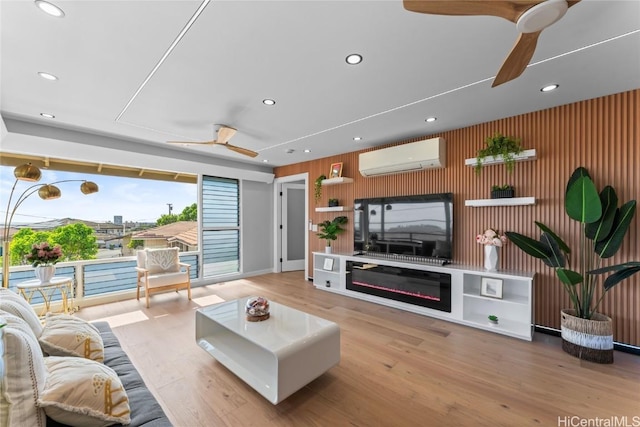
x: 96, y: 278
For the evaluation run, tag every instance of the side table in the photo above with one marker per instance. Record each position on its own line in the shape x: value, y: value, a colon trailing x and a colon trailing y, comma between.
x: 57, y: 283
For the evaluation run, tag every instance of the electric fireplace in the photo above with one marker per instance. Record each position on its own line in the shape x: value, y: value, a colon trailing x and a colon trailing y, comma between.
x: 424, y: 288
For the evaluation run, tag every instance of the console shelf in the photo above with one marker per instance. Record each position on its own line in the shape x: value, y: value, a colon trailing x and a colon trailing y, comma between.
x: 339, y: 180
x: 468, y: 307
x: 526, y: 155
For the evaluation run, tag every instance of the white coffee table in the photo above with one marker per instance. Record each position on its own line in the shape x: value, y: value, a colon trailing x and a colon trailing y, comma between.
x: 277, y: 356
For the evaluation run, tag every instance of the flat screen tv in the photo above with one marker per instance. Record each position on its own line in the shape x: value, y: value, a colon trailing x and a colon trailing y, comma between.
x: 411, y: 226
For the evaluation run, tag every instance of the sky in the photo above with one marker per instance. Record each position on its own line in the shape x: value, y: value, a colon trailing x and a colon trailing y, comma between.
x: 139, y: 200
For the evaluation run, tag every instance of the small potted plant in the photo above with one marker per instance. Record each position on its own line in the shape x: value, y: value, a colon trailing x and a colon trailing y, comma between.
x: 493, y: 319
x: 317, y: 187
x: 505, y: 191
x: 333, y: 202
x: 499, y: 145
x: 329, y: 230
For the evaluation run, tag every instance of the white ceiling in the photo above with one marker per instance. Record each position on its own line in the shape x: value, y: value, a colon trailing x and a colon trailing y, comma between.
x: 238, y: 53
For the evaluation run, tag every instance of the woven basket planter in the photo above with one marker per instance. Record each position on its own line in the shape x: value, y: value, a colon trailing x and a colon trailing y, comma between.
x: 502, y: 194
x: 587, y: 339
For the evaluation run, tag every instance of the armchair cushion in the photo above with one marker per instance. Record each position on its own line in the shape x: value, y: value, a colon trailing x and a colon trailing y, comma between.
x: 166, y: 279
x: 165, y: 260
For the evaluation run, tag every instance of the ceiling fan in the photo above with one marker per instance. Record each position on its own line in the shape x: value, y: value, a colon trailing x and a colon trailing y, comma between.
x: 224, y: 135
x: 530, y: 17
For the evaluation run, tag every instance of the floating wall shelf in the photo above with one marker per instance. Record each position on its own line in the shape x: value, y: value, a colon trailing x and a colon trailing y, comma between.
x: 340, y: 180
x: 526, y: 155
x: 334, y: 209
x: 513, y: 201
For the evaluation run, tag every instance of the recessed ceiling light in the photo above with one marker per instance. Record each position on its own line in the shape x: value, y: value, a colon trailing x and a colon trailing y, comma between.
x: 268, y: 102
x: 357, y: 138
x: 307, y: 150
x: 430, y: 119
x: 549, y: 88
x: 354, y: 59
x: 265, y: 161
x: 49, y: 8
x: 47, y: 76
x: 48, y: 116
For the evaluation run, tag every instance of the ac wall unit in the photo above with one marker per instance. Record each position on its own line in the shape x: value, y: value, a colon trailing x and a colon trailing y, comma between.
x: 411, y: 157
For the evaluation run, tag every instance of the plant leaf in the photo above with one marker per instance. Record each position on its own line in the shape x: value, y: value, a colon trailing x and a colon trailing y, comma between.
x: 529, y: 246
x: 557, y: 258
x: 583, y: 202
x: 619, y: 276
x: 565, y: 248
x: 614, y: 267
x: 579, y: 172
x: 607, y: 247
x: 600, y: 229
x: 569, y: 277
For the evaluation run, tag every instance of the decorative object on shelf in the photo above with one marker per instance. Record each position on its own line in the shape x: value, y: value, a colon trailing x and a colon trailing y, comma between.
x: 499, y: 145
x: 493, y: 319
x: 492, y: 239
x: 328, y: 264
x: 505, y: 191
x: 257, y: 309
x: 333, y: 202
x: 603, y: 227
x: 30, y: 173
x: 329, y: 230
x: 491, y: 287
x: 336, y: 170
x: 317, y: 187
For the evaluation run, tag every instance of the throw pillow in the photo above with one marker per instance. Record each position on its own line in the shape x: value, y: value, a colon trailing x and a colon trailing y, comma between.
x: 66, y: 335
x: 18, y: 306
x: 81, y: 392
x: 164, y: 260
x: 22, y: 374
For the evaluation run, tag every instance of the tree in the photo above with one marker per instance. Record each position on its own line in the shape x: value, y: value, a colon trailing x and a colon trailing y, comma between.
x: 22, y: 242
x: 77, y: 240
x: 167, y: 219
x: 190, y: 213
x: 133, y: 244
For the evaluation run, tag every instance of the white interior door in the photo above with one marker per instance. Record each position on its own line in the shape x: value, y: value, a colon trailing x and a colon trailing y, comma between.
x: 293, y: 228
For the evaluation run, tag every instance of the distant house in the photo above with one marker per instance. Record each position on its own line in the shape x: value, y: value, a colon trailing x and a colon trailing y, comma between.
x: 181, y: 234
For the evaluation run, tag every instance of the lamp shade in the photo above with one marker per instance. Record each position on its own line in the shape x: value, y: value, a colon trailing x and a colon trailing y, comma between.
x: 27, y: 172
x: 48, y: 192
x: 89, y: 187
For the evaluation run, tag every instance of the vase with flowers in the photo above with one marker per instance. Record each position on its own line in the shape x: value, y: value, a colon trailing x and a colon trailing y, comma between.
x: 43, y: 257
x: 492, y: 239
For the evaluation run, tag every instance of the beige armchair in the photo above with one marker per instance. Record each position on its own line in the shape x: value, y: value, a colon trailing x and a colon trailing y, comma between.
x: 160, y: 270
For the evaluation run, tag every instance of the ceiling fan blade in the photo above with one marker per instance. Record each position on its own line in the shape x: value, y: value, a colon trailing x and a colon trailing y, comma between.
x: 510, y: 10
x: 192, y: 142
x: 518, y: 58
x: 572, y: 2
x: 225, y: 133
x: 241, y: 150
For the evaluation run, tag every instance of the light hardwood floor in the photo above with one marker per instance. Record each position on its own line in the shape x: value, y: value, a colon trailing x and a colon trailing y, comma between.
x: 396, y: 368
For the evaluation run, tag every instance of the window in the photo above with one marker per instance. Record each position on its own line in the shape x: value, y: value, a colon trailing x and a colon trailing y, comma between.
x: 220, y: 226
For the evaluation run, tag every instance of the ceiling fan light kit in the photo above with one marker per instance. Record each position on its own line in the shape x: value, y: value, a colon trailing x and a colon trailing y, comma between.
x: 225, y: 133
x: 530, y: 17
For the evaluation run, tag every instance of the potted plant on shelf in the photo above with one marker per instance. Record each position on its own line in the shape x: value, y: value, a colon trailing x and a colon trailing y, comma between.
x: 333, y: 202
x: 329, y: 230
x: 493, y: 319
x: 317, y: 187
x: 505, y: 191
x: 499, y: 145
x: 603, y: 227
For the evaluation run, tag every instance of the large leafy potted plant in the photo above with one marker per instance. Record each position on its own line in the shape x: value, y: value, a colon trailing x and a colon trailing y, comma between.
x: 329, y: 230
x: 586, y: 333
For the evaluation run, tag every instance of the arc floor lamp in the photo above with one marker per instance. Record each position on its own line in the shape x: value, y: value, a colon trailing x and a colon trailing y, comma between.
x: 31, y: 173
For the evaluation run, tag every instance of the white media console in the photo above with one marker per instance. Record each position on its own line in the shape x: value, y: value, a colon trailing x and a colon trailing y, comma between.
x: 468, y: 306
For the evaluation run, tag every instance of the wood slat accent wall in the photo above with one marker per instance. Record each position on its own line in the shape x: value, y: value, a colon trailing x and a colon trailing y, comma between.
x: 600, y: 134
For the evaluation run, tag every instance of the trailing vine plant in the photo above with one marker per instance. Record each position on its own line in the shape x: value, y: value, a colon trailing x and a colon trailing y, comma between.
x: 317, y: 188
x: 499, y: 145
